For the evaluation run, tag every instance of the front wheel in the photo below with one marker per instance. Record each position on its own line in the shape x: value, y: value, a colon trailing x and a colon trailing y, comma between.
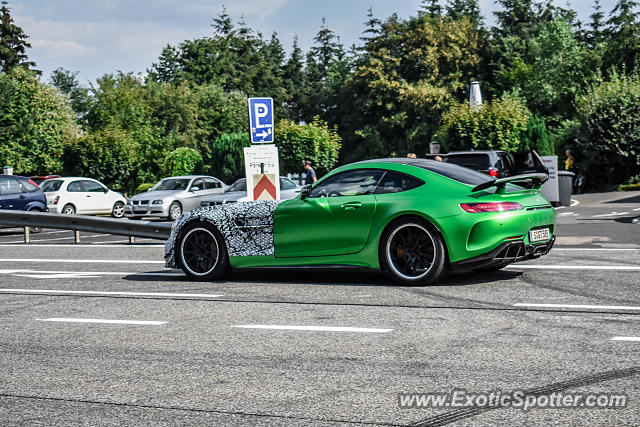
x: 118, y: 210
x: 68, y: 209
x: 175, y: 210
x: 413, y: 252
x: 201, y: 252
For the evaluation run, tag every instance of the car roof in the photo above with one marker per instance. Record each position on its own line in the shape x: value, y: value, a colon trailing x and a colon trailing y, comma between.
x: 13, y: 176
x: 189, y: 177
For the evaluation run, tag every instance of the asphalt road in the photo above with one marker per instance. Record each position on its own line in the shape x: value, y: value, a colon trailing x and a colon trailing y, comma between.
x: 101, y: 334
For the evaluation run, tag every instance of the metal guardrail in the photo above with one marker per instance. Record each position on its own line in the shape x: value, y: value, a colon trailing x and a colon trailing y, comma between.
x: 78, y: 223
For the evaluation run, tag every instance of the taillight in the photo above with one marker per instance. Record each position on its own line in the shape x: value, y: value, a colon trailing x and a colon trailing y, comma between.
x: 491, y: 207
x: 493, y: 172
x: 56, y: 200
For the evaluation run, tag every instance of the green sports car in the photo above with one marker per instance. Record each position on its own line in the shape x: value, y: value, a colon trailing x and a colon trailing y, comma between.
x: 415, y: 219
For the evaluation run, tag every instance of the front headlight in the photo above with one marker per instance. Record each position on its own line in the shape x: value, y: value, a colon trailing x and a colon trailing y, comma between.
x: 157, y: 202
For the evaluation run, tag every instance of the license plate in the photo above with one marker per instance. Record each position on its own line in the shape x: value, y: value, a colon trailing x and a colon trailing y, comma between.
x: 539, y: 234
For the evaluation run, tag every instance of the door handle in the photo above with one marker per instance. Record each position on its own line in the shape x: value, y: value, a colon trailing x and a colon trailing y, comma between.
x: 21, y: 196
x: 349, y: 206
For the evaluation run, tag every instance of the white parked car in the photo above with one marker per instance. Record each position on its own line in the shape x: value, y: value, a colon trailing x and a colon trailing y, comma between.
x: 77, y: 195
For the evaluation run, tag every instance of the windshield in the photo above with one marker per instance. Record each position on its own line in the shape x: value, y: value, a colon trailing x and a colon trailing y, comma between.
x: 171, y: 184
x: 51, y: 186
x: 239, y: 185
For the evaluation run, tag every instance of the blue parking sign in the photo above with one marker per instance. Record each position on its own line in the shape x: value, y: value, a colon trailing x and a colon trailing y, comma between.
x: 261, y: 120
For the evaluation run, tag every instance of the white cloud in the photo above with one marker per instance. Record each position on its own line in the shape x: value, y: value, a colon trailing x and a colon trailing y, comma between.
x: 260, y: 8
x: 60, y: 48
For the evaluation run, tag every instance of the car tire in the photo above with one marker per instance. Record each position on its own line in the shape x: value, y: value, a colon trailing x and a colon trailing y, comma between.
x: 201, y: 252
x: 412, y: 252
x: 68, y: 209
x: 175, y: 211
x: 118, y: 210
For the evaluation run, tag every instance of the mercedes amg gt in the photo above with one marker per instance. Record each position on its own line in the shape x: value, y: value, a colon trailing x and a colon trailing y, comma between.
x: 414, y: 219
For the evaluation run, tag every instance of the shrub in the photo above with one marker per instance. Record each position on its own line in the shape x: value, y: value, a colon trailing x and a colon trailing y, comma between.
x: 183, y: 161
x: 315, y: 142
x: 610, y: 130
x: 497, y: 125
x: 227, y: 156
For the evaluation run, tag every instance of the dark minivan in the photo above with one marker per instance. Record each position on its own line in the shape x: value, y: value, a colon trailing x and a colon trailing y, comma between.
x: 22, y: 194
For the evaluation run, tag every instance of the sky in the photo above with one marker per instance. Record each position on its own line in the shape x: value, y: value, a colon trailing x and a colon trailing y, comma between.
x: 96, y: 37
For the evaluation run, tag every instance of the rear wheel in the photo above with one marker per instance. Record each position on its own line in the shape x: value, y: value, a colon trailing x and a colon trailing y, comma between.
x: 118, y: 210
x: 413, y: 252
x: 69, y: 209
x: 175, y: 210
x: 201, y: 252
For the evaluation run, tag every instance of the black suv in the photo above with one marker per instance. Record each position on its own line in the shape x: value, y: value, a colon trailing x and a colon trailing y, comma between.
x: 497, y: 163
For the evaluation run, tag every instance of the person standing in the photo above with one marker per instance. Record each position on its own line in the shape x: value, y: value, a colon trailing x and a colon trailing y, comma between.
x: 569, y: 164
x: 310, y: 177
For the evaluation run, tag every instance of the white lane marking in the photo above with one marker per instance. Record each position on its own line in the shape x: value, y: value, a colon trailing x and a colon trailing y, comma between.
x: 169, y: 273
x: 81, y: 261
x: 637, y: 339
x: 636, y: 209
x: 595, y: 307
x: 108, y: 293
x: 315, y: 328
x: 568, y: 214
x: 574, y: 202
x: 575, y: 267
x: 58, y: 276
x: 62, y: 238
x: 555, y: 248
x: 108, y: 321
x: 93, y: 245
x: 610, y: 214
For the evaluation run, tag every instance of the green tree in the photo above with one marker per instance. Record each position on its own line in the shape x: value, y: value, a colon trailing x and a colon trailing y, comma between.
x: 67, y: 83
x: 36, y: 123
x: 536, y: 137
x: 227, y: 157
x: 183, y: 161
x: 13, y: 43
x: 404, y: 81
x: 596, y: 33
x: 494, y: 126
x: 623, y: 44
x: 109, y: 155
x: 315, y: 142
x: 609, y: 147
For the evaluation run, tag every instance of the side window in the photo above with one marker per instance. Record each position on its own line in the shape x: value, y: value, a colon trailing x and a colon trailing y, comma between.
x: 210, y: 184
x: 198, y: 183
x: 350, y: 183
x: 28, y: 187
x: 75, y: 187
x: 9, y: 186
x: 506, y: 164
x: 93, y: 187
x: 287, y: 184
x: 395, y: 182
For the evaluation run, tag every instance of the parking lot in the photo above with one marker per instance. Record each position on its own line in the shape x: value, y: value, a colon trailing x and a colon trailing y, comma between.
x: 102, y: 331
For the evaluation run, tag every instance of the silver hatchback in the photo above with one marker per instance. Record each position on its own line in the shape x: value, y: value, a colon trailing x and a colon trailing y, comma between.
x: 172, y: 196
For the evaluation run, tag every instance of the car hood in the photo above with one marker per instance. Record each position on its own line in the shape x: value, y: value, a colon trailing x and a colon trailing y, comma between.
x: 153, y: 195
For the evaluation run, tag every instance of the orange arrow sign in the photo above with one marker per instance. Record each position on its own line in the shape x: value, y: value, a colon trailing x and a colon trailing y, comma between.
x: 264, y: 184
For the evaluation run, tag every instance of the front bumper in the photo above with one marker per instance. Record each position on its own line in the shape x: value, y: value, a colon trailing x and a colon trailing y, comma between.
x: 141, y: 211
x: 506, y: 253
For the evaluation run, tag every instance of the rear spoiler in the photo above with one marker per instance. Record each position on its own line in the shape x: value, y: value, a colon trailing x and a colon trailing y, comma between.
x: 536, y: 179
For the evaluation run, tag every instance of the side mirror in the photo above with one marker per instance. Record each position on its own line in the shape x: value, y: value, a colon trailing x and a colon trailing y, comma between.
x: 194, y: 189
x: 305, y: 191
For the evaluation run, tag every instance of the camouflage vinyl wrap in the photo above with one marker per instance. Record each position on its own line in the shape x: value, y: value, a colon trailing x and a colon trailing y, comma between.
x: 247, y: 228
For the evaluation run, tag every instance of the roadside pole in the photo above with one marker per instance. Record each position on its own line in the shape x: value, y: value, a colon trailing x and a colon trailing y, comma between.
x: 261, y: 164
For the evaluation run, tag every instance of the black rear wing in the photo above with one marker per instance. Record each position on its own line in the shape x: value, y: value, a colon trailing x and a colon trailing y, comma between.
x: 536, y: 179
